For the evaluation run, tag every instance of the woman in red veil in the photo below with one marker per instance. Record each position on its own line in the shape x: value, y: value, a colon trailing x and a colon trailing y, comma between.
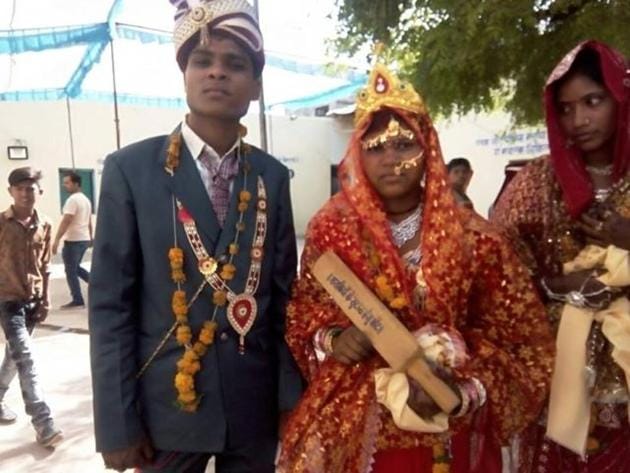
x: 448, y: 278
x: 558, y: 209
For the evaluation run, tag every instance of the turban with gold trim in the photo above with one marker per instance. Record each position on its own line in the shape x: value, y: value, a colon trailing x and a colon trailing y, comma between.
x: 196, y: 20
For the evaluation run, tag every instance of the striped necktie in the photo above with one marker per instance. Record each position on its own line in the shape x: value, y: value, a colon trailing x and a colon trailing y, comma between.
x: 218, y: 186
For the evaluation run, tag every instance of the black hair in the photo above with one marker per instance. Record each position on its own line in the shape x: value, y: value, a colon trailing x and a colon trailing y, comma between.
x: 455, y: 162
x: 586, y: 63
x: 74, y: 177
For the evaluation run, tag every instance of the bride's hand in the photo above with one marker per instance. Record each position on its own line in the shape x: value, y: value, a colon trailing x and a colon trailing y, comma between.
x: 584, y: 282
x: 609, y: 228
x: 351, y: 346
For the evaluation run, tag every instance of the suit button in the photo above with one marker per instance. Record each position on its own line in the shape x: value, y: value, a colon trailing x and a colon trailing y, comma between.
x: 224, y: 337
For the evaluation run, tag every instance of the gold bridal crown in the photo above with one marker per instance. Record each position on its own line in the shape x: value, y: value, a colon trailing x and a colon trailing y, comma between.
x: 384, y: 89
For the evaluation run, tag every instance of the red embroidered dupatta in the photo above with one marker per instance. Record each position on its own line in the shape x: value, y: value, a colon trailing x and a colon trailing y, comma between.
x: 568, y: 165
x: 338, y: 425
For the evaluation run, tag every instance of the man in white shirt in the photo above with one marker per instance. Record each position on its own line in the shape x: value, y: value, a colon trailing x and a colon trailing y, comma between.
x: 76, y: 225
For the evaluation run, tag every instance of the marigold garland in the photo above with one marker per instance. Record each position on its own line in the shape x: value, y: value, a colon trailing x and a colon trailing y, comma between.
x: 398, y: 302
x: 188, y: 366
x: 219, y: 298
x: 184, y: 335
x: 200, y: 348
x: 384, y: 289
x: 190, y: 362
x: 375, y: 259
x: 592, y: 445
x: 184, y: 382
x: 441, y: 459
x: 179, y: 306
x: 176, y: 259
x: 207, y: 332
x: 228, y: 271
x: 172, y: 154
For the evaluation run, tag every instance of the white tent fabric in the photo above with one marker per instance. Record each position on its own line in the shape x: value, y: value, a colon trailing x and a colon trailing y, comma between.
x: 52, y: 50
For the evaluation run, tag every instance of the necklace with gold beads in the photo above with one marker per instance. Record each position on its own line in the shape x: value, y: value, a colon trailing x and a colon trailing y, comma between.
x: 241, y: 308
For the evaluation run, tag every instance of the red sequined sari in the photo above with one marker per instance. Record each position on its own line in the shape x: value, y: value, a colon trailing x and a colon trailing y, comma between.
x: 538, y: 212
x: 476, y: 285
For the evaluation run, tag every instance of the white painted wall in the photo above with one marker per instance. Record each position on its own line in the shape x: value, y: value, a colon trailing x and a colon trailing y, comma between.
x: 304, y: 145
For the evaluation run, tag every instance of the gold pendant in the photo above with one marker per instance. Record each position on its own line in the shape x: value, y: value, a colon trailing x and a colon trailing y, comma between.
x: 421, y: 289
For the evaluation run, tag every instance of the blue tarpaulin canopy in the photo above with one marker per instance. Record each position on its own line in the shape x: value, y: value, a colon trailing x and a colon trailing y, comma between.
x: 73, y: 49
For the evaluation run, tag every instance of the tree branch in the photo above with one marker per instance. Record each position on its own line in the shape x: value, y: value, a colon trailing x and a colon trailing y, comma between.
x: 558, y: 17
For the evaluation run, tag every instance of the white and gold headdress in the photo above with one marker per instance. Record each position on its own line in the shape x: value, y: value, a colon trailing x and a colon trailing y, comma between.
x: 236, y: 18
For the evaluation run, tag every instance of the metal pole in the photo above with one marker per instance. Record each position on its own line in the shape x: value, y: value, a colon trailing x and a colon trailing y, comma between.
x: 116, y: 119
x: 69, y: 115
x: 261, y: 102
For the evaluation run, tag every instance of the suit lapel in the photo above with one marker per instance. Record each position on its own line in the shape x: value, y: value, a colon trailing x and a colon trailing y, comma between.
x: 187, y: 186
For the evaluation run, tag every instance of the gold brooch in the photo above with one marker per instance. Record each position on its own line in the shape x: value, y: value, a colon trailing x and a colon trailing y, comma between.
x: 200, y: 15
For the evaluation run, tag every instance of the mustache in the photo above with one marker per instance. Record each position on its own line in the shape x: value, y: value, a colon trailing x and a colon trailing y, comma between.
x: 408, y: 164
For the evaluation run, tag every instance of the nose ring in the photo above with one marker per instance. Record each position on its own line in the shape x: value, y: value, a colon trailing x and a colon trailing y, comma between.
x: 408, y: 164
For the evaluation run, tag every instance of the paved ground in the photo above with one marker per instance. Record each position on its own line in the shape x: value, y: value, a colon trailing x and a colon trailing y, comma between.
x: 61, y: 347
x: 61, y: 350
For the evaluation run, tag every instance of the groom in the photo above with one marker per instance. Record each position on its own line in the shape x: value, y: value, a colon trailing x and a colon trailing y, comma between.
x: 193, y: 261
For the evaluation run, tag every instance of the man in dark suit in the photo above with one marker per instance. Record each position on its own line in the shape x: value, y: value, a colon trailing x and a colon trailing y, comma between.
x: 193, y: 261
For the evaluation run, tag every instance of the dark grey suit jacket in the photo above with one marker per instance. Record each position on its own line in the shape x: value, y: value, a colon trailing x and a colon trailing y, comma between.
x: 130, y: 307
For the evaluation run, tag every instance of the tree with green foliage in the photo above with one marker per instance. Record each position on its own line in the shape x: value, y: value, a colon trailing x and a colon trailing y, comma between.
x: 479, y: 55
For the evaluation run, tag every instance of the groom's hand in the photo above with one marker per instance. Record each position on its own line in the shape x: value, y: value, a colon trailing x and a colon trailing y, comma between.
x: 138, y: 455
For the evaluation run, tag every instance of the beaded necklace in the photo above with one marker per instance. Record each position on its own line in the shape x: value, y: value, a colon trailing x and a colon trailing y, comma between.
x: 242, y: 308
